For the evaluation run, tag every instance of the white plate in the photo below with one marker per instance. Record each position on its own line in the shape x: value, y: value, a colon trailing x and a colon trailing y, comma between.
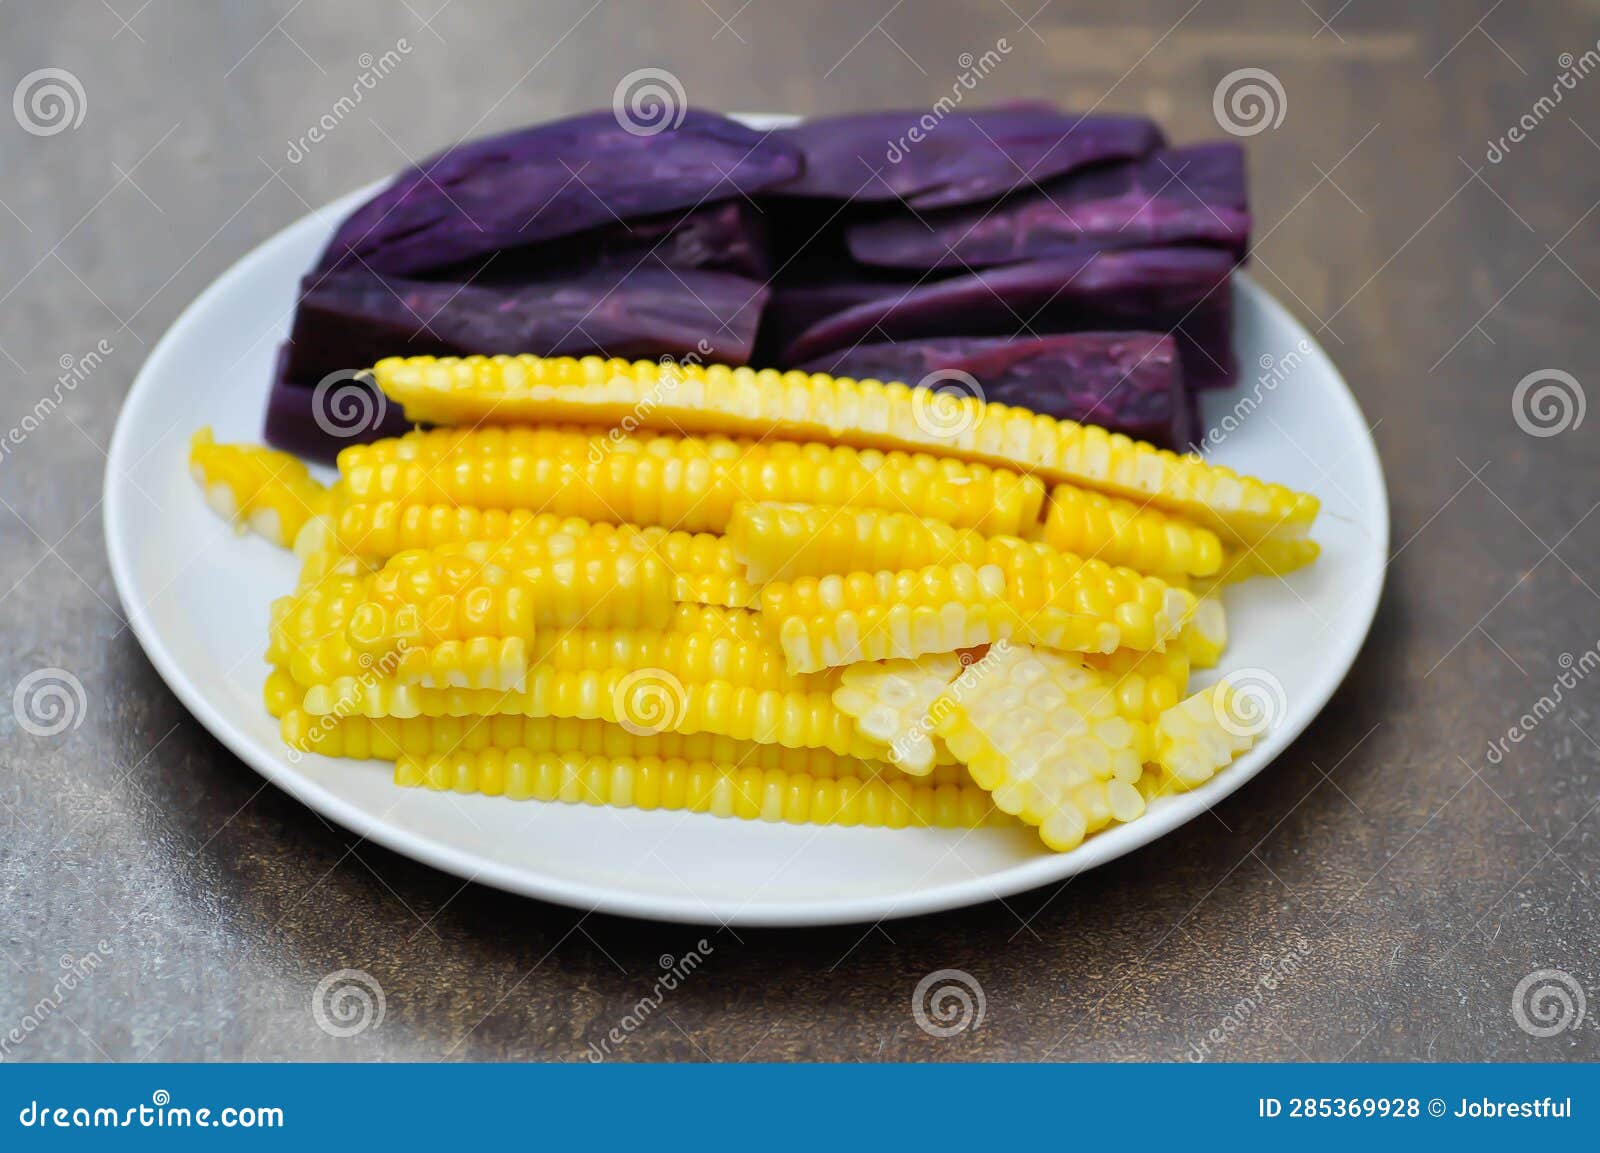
x: 197, y: 597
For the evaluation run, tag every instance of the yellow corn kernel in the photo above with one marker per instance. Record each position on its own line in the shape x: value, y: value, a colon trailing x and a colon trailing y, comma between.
x: 702, y: 566
x: 1205, y: 636
x: 1269, y: 558
x: 478, y: 662
x: 740, y: 624
x: 1129, y: 533
x: 379, y: 531
x: 689, y: 656
x: 889, y: 701
x: 700, y: 787
x: 1042, y: 734
x: 280, y: 692
x: 1204, y: 733
x: 695, y: 490
x: 1145, y: 684
x: 560, y: 580
x: 1058, y: 600
x: 251, y: 486
x: 386, y: 738
x: 647, y: 699
x: 313, y: 611
x: 742, y: 401
x: 779, y: 542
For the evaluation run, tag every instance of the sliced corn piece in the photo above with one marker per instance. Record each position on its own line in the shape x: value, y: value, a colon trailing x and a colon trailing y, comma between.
x: 269, y: 492
x: 742, y: 401
x: 694, y: 490
x: 387, y: 738
x: 1130, y: 533
x: 889, y: 701
x: 1272, y: 557
x: 702, y: 787
x: 1042, y: 734
x: 651, y: 700
x: 1205, y: 636
x: 1204, y: 733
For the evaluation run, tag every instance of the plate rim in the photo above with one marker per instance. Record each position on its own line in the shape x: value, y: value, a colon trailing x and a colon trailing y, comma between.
x: 1024, y: 876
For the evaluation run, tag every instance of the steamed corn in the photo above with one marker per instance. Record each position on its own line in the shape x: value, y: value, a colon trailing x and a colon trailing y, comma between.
x: 743, y: 401
x: 702, y: 787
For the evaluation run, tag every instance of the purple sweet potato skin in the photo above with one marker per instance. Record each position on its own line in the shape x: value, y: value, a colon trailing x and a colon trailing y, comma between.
x: 353, y: 412
x: 351, y: 320
x: 967, y: 157
x: 1192, y: 195
x: 553, y: 180
x: 1165, y: 289
x: 1129, y: 382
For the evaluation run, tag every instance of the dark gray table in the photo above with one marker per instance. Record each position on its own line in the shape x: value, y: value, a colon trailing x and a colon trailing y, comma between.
x: 1414, y: 878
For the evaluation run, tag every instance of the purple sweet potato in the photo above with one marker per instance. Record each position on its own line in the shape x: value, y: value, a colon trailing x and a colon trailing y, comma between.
x: 726, y: 237
x: 352, y: 319
x: 963, y: 158
x: 1129, y: 382
x: 1193, y: 195
x: 797, y: 305
x: 1163, y: 289
x: 315, y: 419
x: 553, y: 180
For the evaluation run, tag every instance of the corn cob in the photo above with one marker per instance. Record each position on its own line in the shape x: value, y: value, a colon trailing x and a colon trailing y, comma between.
x: 1049, y: 590
x: 387, y: 738
x: 866, y: 413
x: 571, y: 441
x: 1273, y: 557
x: 889, y: 702
x: 1205, y: 636
x: 1202, y: 734
x: 779, y: 542
x: 1130, y: 533
x: 270, y: 492
x: 702, y: 787
x: 1041, y: 733
x: 693, y: 489
x: 642, y: 699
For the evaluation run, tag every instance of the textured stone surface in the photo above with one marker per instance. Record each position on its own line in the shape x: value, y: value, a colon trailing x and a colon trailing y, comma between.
x: 1413, y: 881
